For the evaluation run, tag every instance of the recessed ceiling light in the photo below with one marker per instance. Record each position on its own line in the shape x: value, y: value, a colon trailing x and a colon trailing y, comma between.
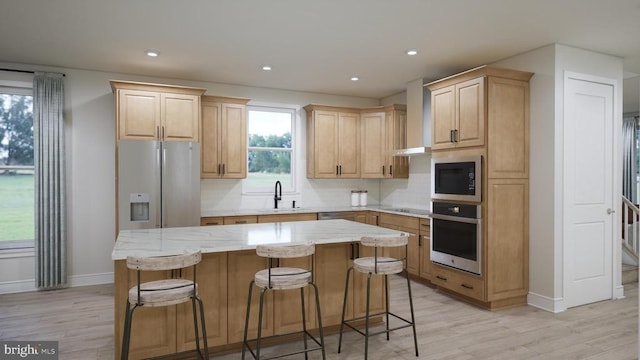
x: 412, y: 52
x: 152, y: 53
x: 354, y: 78
x: 266, y: 67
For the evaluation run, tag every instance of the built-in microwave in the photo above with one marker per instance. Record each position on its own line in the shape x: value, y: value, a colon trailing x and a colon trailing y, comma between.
x: 456, y: 236
x: 457, y: 179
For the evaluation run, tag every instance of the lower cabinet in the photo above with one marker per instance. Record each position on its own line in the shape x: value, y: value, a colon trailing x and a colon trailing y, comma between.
x: 164, y: 330
x: 425, y: 249
x: 410, y: 225
x: 462, y: 283
x: 287, y: 217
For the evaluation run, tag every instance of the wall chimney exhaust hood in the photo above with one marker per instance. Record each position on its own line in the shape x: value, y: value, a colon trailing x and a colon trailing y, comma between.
x: 418, y: 120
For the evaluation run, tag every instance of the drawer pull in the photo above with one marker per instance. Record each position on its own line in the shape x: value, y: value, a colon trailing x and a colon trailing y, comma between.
x: 441, y: 278
x: 241, y: 221
x: 467, y: 286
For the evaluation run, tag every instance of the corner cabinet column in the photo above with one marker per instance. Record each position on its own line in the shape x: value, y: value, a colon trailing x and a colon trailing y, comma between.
x: 224, y: 138
x: 485, y: 111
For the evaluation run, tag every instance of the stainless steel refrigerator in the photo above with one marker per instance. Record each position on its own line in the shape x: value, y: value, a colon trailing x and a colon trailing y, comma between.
x: 158, y: 184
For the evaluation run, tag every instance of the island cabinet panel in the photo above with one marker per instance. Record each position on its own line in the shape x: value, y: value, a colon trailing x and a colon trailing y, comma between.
x: 333, y: 260
x: 153, y: 330
x: 287, y: 306
x: 244, y: 219
x: 242, y: 266
x: 211, y: 277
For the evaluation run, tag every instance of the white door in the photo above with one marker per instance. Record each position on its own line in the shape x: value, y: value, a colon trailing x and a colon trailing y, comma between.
x: 588, y: 189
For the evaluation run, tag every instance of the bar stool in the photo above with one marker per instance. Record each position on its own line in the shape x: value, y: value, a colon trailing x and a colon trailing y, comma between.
x: 379, y: 265
x: 282, y: 278
x: 164, y: 293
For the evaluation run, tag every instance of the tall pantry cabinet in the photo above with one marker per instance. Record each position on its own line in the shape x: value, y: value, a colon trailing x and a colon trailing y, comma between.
x: 485, y: 111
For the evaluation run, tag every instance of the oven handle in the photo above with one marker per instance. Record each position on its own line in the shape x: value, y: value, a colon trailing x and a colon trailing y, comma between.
x: 456, y: 219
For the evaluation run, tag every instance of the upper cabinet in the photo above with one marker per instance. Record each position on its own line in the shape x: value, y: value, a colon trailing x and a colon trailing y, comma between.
x: 224, y: 138
x: 157, y: 112
x: 485, y: 106
x: 383, y: 130
x: 458, y: 115
x: 333, y: 142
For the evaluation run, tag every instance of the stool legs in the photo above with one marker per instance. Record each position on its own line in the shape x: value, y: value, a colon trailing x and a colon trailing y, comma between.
x: 315, y: 289
x: 126, y: 336
x: 413, y: 320
x: 246, y: 321
x: 344, y: 308
x: 304, y: 323
x: 366, y: 332
x: 202, y: 324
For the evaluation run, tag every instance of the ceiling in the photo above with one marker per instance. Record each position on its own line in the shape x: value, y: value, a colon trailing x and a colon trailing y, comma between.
x: 312, y: 46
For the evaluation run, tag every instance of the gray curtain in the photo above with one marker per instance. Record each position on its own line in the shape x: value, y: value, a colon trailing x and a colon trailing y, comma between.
x: 49, y: 178
x: 629, y: 188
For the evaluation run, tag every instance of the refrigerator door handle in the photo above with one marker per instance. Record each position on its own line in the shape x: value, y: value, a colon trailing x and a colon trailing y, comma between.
x: 159, y: 203
x: 163, y: 193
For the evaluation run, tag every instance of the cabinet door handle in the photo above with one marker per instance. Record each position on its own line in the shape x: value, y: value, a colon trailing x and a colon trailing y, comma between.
x: 382, y: 170
x: 441, y: 278
x: 337, y: 170
x: 241, y: 221
x: 467, y: 286
x: 390, y: 170
x: 340, y: 169
x: 352, y: 252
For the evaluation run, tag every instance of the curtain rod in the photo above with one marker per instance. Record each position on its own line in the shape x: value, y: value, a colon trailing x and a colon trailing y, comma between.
x: 22, y: 71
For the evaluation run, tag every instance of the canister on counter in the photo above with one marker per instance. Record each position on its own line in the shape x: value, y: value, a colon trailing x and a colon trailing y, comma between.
x: 363, y: 198
x: 355, y: 197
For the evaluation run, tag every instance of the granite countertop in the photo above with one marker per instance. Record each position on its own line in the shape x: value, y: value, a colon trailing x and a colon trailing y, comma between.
x: 421, y: 213
x: 221, y: 238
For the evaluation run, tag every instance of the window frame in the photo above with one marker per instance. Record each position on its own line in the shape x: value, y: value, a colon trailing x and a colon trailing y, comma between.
x: 17, y: 248
x: 278, y: 108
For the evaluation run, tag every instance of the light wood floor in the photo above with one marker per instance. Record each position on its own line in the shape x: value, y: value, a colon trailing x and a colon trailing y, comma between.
x: 81, y: 319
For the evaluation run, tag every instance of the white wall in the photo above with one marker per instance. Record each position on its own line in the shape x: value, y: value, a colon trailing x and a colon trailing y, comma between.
x: 546, y: 159
x: 90, y: 131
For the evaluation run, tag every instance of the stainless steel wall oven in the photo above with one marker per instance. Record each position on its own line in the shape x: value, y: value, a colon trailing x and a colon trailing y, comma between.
x: 456, y: 236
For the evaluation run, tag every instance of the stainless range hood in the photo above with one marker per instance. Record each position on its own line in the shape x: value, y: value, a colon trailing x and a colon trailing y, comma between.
x: 418, y: 130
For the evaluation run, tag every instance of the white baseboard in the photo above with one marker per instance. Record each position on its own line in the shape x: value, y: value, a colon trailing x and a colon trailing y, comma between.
x: 9, y: 287
x: 546, y: 303
x: 618, y: 292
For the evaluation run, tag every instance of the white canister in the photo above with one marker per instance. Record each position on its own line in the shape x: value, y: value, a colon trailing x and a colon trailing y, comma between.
x: 355, y: 198
x: 363, y: 198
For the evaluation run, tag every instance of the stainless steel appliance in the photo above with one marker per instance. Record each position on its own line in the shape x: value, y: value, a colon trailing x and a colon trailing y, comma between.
x: 158, y: 184
x: 457, y: 179
x: 456, y: 236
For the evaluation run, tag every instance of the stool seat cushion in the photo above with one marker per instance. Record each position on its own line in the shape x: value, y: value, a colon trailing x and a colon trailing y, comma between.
x: 283, y: 278
x: 163, y: 292
x: 386, y: 265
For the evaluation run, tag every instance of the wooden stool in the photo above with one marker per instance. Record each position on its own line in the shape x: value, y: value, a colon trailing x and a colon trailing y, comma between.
x: 164, y: 293
x: 379, y: 265
x: 282, y: 278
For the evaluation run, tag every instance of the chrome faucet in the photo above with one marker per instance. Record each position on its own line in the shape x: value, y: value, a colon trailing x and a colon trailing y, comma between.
x: 278, y: 194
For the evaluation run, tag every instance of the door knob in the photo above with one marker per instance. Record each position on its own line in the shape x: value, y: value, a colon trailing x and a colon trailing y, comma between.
x: 609, y: 211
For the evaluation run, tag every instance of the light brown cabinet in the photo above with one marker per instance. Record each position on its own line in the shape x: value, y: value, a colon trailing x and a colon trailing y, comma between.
x: 287, y: 217
x: 157, y: 112
x: 458, y: 115
x: 333, y: 142
x: 241, y: 219
x: 384, y: 130
x: 163, y: 330
x: 224, y: 138
x: 490, y: 109
x: 424, y: 244
x: 411, y: 226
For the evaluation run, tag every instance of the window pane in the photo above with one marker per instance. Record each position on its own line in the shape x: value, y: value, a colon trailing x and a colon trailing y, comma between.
x: 270, y: 128
x: 16, y: 205
x: 266, y: 167
x: 16, y: 167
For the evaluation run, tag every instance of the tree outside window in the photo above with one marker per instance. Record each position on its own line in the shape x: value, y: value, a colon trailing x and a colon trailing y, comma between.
x: 16, y: 167
x: 270, y: 149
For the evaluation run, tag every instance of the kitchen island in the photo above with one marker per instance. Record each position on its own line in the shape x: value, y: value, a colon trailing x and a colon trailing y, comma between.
x: 228, y: 265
